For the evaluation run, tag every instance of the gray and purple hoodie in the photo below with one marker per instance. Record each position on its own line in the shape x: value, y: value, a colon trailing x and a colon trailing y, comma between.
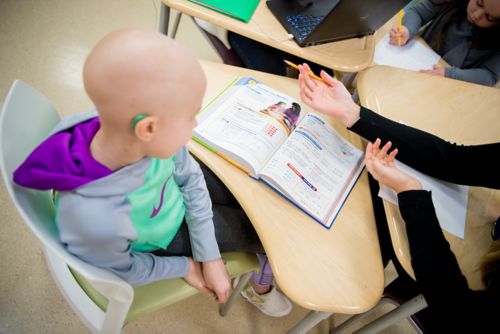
x: 112, y: 219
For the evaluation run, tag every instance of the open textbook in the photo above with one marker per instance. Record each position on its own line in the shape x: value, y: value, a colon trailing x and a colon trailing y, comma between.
x: 269, y: 136
x: 413, y: 56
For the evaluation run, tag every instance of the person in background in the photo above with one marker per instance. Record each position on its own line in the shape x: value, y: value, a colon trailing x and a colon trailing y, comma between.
x: 465, y: 33
x: 452, y: 305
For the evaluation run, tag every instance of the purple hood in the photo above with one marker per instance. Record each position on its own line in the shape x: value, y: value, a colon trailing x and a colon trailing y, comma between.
x: 63, y: 161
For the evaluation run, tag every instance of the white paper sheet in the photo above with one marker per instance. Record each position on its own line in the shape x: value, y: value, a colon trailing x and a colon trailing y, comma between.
x: 450, y: 200
x: 412, y: 56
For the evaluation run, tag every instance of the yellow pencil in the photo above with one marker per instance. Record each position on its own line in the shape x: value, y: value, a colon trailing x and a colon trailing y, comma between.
x: 311, y: 74
x: 400, y: 24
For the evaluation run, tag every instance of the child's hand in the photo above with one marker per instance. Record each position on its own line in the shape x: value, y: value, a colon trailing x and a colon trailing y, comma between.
x: 331, y: 97
x: 395, y: 32
x: 217, y: 279
x: 436, y: 70
x: 381, y: 165
x: 195, y: 277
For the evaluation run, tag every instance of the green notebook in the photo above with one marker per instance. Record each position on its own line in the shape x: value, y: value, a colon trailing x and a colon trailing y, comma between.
x: 241, y: 10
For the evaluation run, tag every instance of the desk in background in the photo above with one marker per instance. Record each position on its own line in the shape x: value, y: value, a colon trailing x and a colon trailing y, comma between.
x: 458, y: 112
x: 337, y: 270
x: 350, y: 55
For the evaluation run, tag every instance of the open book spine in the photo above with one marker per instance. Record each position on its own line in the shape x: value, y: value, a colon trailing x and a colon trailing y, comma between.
x: 223, y: 156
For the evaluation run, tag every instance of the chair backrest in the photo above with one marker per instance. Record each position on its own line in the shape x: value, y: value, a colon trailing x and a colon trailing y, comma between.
x: 227, y: 55
x: 27, y: 118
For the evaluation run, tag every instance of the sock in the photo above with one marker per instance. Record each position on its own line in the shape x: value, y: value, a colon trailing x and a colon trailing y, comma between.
x: 264, y: 277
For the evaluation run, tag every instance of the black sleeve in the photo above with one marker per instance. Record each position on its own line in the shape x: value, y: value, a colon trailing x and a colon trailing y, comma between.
x: 436, y: 269
x: 471, y: 165
x: 435, y: 266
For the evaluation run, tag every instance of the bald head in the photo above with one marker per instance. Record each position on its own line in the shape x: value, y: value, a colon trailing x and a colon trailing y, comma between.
x: 134, y: 71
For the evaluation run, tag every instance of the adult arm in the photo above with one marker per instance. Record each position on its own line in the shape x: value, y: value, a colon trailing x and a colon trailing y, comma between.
x: 436, y: 269
x: 472, y: 165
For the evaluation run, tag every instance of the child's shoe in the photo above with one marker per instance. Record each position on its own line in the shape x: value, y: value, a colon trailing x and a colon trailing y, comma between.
x: 273, y: 303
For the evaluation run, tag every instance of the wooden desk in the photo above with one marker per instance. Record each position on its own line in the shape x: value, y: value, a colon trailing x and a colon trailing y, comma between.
x: 336, y: 270
x: 456, y: 111
x: 351, y: 55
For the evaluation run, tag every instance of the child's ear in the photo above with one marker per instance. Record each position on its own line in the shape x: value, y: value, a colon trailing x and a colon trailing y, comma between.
x: 145, y: 129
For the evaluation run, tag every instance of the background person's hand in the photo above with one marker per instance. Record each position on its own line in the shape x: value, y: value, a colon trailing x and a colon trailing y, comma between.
x: 395, y: 32
x: 383, y: 168
x: 194, y: 277
x: 217, y: 279
x: 329, y: 97
x: 436, y: 70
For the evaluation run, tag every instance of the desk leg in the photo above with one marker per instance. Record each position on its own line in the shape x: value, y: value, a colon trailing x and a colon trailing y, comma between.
x: 309, y: 321
x: 236, y: 292
x: 176, y: 24
x: 164, y: 18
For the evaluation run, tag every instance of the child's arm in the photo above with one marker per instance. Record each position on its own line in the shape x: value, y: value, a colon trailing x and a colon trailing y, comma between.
x: 191, y: 182
x: 190, y: 179
x: 487, y: 74
x: 418, y: 15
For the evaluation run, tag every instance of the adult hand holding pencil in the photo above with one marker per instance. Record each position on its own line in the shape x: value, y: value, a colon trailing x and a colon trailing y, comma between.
x: 308, y: 71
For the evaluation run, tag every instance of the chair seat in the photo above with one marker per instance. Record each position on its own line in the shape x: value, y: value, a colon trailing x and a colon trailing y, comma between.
x: 152, y: 297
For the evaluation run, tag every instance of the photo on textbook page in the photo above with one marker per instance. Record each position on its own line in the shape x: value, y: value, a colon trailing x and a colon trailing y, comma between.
x: 286, y: 114
x: 249, y: 120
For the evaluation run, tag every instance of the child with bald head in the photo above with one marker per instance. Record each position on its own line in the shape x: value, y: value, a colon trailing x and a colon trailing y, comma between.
x: 130, y: 198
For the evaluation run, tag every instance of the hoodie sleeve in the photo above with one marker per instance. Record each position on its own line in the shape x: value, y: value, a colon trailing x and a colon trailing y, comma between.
x: 487, y: 74
x: 418, y: 15
x: 199, y: 216
x: 99, y: 232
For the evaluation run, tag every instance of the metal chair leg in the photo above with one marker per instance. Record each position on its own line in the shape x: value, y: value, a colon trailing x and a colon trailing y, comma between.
x: 361, y: 316
x: 309, y: 321
x: 224, y: 309
x: 405, y: 310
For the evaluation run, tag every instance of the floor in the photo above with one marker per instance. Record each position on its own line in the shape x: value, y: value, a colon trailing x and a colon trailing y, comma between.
x: 45, y: 43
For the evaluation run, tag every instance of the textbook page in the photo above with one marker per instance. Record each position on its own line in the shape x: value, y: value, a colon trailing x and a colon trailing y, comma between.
x: 315, y: 168
x: 248, y: 123
x: 412, y: 56
x: 450, y: 200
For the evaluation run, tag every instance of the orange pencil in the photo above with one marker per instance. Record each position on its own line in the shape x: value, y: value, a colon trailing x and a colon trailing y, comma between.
x: 311, y: 74
x: 400, y: 24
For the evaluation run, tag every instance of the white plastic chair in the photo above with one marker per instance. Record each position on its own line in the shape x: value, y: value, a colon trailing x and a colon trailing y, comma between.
x: 103, y: 301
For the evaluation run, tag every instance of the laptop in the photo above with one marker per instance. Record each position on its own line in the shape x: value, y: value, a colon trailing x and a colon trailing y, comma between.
x: 313, y: 22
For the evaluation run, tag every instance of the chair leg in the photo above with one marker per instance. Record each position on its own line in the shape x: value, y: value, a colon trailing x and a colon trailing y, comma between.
x: 224, y: 309
x: 176, y: 24
x: 309, y: 321
x: 405, y: 310
x: 360, y: 316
